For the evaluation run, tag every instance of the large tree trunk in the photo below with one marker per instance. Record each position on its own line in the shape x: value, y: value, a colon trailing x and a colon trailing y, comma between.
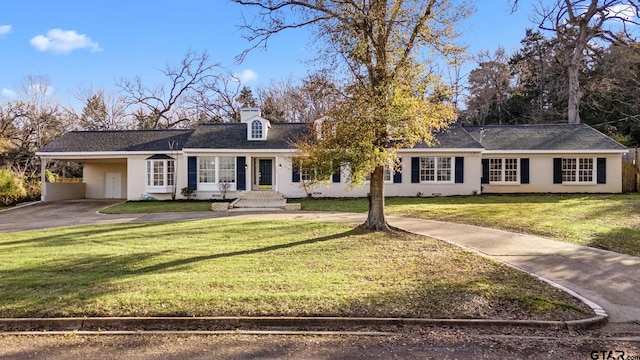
x: 376, y: 219
x: 575, y: 95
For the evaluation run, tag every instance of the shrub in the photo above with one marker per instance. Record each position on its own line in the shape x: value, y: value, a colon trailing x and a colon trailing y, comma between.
x: 188, y: 193
x: 12, y: 189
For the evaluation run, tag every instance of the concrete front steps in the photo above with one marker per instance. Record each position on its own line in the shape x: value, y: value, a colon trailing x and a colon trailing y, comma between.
x: 262, y: 200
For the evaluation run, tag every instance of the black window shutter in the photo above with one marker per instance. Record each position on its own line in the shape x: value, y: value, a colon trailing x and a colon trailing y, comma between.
x: 192, y: 172
x: 602, y: 170
x: 397, y: 175
x: 241, y: 173
x: 336, y: 177
x: 415, y: 169
x: 295, y: 172
x: 557, y: 170
x: 524, y: 171
x: 485, y: 171
x: 459, y: 169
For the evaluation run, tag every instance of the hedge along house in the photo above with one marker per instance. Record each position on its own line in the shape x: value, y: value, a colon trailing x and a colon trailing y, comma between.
x: 234, y: 160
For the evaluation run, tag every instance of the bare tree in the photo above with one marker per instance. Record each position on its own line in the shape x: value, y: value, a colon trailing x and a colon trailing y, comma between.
x: 489, y: 86
x: 214, y: 100
x: 577, y: 24
x: 101, y: 111
x: 161, y: 105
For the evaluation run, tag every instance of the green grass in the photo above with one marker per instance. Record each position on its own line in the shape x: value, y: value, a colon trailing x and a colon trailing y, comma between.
x: 232, y: 267
x: 609, y: 222
x: 147, y: 207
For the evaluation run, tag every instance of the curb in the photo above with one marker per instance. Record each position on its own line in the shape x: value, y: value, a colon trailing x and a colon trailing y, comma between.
x: 240, y: 323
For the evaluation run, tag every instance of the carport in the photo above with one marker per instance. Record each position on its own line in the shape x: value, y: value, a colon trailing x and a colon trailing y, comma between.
x: 102, y: 178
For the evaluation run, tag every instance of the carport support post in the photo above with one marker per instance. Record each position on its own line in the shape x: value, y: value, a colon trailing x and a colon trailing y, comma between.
x: 43, y: 179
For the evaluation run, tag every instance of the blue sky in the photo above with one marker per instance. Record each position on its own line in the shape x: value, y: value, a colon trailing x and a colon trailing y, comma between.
x: 92, y: 43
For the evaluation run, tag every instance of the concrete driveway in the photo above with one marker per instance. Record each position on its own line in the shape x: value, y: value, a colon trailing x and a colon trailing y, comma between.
x: 43, y: 215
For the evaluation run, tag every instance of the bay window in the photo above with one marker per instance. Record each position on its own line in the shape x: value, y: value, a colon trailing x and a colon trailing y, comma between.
x: 161, y: 173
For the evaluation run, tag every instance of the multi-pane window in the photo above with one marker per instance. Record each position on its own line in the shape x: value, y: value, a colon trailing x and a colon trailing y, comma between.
x: 207, y: 169
x: 435, y: 169
x: 256, y: 129
x: 307, y: 174
x: 160, y: 173
x: 227, y: 169
x: 388, y: 174
x: 577, y: 170
x: 171, y: 173
x: 503, y: 170
x: 216, y: 169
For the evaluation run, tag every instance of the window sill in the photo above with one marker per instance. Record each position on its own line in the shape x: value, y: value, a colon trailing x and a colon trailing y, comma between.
x: 159, y: 189
x: 214, y: 187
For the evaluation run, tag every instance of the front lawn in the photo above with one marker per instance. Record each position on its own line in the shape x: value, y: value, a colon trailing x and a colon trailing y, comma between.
x: 609, y: 222
x: 148, y: 207
x: 231, y: 267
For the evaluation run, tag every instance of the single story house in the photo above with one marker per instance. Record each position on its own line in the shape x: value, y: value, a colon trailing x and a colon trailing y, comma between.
x: 232, y: 160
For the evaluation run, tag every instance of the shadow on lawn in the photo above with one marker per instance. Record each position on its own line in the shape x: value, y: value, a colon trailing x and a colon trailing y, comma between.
x: 75, y: 235
x: 180, y: 262
x: 63, y: 287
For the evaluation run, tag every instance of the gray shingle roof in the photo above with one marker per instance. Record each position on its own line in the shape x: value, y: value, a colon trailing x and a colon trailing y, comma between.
x: 455, y: 137
x: 281, y: 135
x: 126, y: 140
x: 234, y: 136
x: 542, y: 137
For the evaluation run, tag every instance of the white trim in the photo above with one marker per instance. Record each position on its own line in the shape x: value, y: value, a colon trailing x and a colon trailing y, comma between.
x: 503, y: 171
x: 558, y: 152
x: 190, y: 152
x: 594, y: 172
x: 452, y: 169
x: 440, y: 150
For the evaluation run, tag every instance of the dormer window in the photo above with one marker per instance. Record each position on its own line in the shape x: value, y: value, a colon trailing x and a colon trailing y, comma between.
x: 256, y: 129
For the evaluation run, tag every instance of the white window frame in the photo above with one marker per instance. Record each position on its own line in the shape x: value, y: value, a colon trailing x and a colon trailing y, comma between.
x: 257, y: 131
x: 501, y: 172
x: 388, y: 175
x: 580, y: 170
x: 437, y: 169
x: 214, y: 176
x: 160, y: 175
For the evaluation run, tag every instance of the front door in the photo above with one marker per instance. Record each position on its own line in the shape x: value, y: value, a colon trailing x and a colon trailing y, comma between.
x: 265, y: 175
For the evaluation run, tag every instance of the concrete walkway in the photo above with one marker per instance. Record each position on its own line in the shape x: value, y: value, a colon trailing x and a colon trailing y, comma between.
x: 609, y: 279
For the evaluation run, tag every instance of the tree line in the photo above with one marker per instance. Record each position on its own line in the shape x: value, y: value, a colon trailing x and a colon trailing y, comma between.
x: 376, y: 83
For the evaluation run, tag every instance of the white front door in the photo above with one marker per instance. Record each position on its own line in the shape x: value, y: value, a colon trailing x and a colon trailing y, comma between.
x: 112, y: 184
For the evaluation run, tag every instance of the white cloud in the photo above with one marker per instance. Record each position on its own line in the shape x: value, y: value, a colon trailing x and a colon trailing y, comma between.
x: 5, y: 29
x: 63, y: 41
x: 623, y: 11
x: 9, y: 93
x: 247, y: 75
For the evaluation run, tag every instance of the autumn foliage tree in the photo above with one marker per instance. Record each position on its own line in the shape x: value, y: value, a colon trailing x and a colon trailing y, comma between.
x: 390, y: 100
